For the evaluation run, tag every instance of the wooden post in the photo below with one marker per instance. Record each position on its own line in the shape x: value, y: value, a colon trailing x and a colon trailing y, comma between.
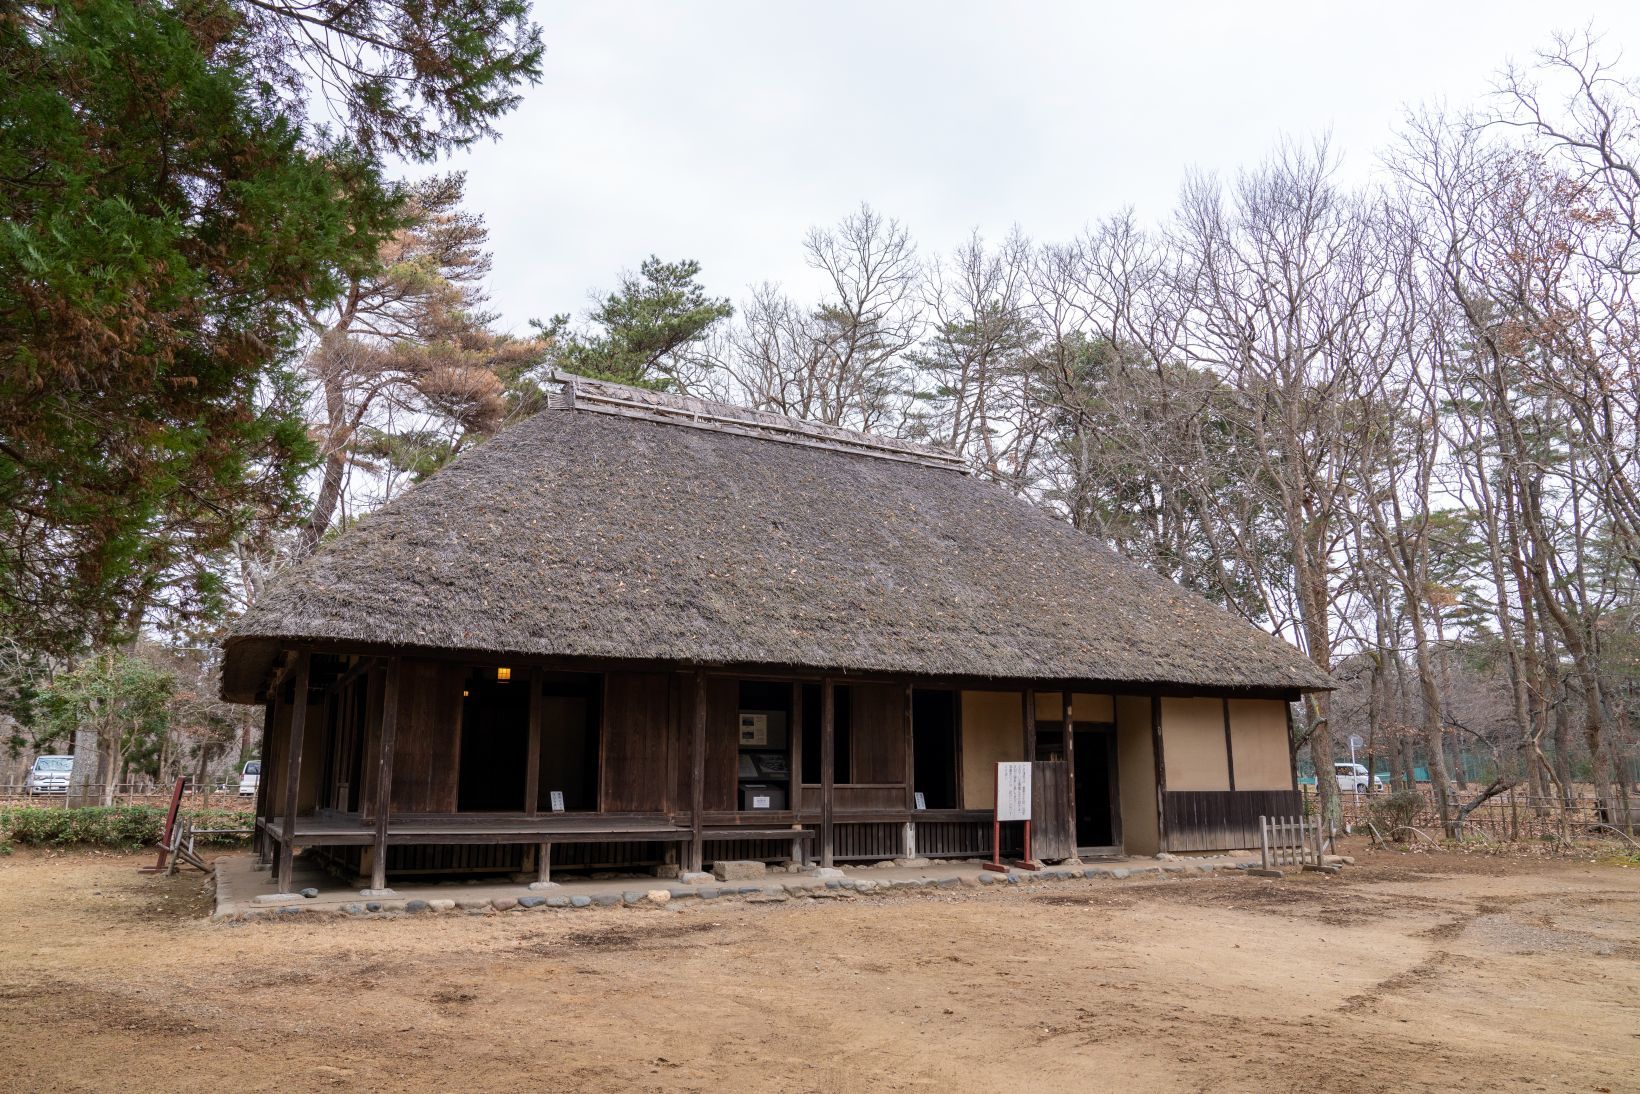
x: 910, y: 753
x: 384, y: 776
x: 1161, y: 771
x: 795, y: 749
x: 697, y: 777
x: 543, y: 864
x: 910, y: 839
x: 828, y: 765
x: 293, y: 771
x: 264, y: 794
x: 1069, y: 722
x: 1027, y: 711
x: 532, y: 757
x: 1229, y: 747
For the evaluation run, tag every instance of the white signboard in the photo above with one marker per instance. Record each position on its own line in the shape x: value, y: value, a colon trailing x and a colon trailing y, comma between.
x: 922, y: 802
x: 1013, y: 791
x: 557, y: 798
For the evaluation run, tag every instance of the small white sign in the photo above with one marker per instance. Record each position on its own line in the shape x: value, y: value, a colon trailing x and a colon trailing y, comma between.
x: 557, y: 801
x: 1013, y: 791
x: 922, y: 802
x: 754, y: 729
x: 760, y: 801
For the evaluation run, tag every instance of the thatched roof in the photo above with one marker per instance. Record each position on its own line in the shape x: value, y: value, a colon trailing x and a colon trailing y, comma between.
x: 620, y: 524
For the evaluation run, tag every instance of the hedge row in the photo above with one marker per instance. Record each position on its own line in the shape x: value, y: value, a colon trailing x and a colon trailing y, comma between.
x: 124, y: 827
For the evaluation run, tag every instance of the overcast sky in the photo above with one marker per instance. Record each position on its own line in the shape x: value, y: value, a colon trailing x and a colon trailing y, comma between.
x: 721, y: 131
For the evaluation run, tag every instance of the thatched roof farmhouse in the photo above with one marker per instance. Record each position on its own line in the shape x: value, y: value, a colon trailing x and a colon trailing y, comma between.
x: 605, y: 587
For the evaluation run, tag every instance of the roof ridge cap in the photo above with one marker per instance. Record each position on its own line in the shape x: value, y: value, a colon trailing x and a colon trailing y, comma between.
x: 671, y: 408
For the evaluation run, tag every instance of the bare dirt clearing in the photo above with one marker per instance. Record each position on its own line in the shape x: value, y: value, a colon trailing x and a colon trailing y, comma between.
x: 1424, y: 972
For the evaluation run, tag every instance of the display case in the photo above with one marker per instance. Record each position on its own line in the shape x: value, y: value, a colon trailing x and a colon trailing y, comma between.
x: 764, y: 763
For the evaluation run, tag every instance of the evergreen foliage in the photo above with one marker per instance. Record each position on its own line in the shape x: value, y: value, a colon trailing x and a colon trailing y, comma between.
x: 171, y: 194
x: 656, y: 316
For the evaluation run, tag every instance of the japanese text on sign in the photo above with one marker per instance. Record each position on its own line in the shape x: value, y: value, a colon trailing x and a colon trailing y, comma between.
x: 1013, y: 791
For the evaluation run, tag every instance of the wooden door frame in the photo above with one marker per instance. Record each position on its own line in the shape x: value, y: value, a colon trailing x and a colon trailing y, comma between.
x: 1106, y: 730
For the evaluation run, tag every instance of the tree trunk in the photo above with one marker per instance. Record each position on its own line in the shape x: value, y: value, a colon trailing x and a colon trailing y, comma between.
x: 336, y: 454
x: 1429, y: 689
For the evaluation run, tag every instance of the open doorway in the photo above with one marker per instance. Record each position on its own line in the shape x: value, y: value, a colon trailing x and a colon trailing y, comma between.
x: 934, y: 746
x: 495, y: 741
x: 1098, y: 824
x: 571, y: 712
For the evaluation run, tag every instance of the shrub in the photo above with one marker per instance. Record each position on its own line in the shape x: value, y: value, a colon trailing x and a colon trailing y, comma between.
x: 1396, y: 810
x: 221, y: 818
x: 123, y: 827
x: 120, y: 826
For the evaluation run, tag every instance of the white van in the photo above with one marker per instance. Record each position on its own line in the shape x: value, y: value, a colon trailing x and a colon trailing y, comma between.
x: 49, y: 775
x: 249, y: 778
x: 1354, y: 777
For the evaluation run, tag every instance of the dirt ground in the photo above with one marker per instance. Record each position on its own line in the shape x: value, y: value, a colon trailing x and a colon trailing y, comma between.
x: 1408, y: 972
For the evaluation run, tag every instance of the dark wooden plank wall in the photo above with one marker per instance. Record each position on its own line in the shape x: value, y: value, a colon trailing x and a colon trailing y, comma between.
x: 877, y: 745
x: 427, y: 750
x: 953, y: 839
x: 274, y: 740
x: 864, y: 799
x: 637, y: 742
x: 314, y: 732
x: 500, y: 858
x: 869, y: 840
x: 375, y: 687
x: 1052, y: 835
x: 1222, y: 820
x: 722, y: 743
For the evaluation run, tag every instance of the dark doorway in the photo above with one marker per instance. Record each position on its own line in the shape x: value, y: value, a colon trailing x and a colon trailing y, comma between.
x: 495, y: 741
x: 934, y: 747
x: 1096, y: 823
x: 571, y: 712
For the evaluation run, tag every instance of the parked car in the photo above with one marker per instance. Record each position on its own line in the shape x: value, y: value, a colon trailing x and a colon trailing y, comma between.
x: 249, y: 778
x: 1354, y: 777
x: 49, y: 775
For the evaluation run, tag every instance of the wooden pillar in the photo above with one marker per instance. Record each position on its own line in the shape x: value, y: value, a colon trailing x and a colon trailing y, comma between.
x: 532, y: 757
x: 264, y: 796
x: 1069, y: 722
x: 1161, y: 771
x: 697, y: 776
x: 910, y: 837
x: 384, y: 775
x: 293, y: 770
x: 543, y: 864
x: 828, y: 765
x: 1027, y: 711
x: 800, y: 853
x: 1229, y: 747
x: 796, y: 749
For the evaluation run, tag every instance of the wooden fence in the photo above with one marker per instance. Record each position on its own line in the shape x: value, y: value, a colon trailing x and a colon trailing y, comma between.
x: 1508, y: 818
x: 218, y: 796
x: 1290, y: 841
